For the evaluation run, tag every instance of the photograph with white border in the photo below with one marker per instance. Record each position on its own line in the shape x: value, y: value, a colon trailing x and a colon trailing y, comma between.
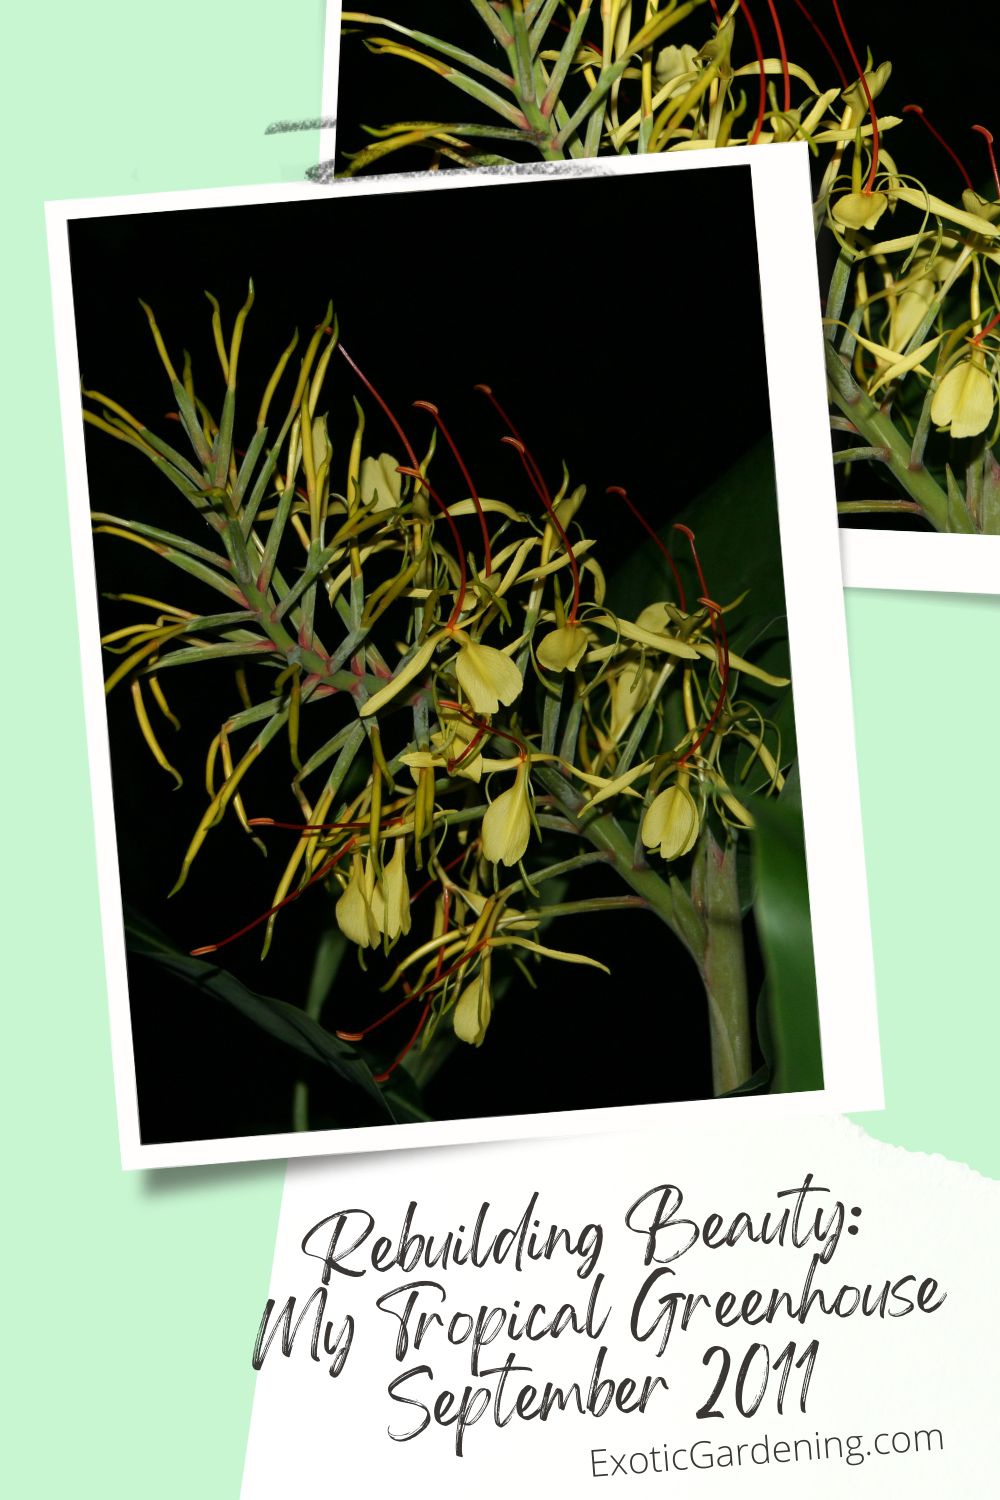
x: 908, y: 305
x: 524, y: 313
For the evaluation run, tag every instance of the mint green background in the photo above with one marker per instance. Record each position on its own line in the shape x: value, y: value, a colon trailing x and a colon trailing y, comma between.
x: 131, y: 1301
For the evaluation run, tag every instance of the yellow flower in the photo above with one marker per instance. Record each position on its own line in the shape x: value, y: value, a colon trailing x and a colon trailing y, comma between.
x: 396, y: 892
x: 562, y: 649
x: 671, y: 822
x: 507, y: 824
x: 876, y: 79
x: 360, y: 910
x: 452, y: 746
x: 474, y: 1008
x: 963, y: 401
x: 486, y: 676
x: 860, y: 210
x: 450, y: 753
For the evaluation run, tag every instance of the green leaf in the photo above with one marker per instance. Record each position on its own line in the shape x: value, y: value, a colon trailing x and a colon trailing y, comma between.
x: 286, y: 1023
x: 788, y: 1020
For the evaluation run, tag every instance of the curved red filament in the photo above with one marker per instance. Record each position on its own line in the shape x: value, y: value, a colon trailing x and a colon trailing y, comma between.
x: 867, y: 93
x: 915, y: 109
x: 531, y: 469
x: 439, y: 422
x: 384, y: 405
x: 721, y: 641
x: 616, y: 489
x: 535, y: 473
x: 988, y: 329
x: 762, y: 92
x: 387, y: 1074
x: 482, y: 725
x: 783, y: 54
x: 273, y: 910
x: 824, y: 39
x: 987, y: 136
x: 459, y: 604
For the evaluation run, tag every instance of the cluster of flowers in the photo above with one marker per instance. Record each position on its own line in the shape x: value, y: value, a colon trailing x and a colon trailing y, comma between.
x: 519, y: 707
x: 487, y: 640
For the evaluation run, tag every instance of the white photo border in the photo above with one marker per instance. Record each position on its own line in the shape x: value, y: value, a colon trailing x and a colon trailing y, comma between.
x: 924, y: 562
x: 818, y: 647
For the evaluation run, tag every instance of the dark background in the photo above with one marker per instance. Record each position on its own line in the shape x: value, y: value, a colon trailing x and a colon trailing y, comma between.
x: 945, y: 65
x: 534, y: 289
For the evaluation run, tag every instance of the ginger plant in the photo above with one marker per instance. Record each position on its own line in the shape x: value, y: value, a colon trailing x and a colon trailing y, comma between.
x: 912, y: 315
x: 464, y: 720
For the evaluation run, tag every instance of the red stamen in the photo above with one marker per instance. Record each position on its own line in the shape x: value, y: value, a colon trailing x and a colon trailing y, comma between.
x: 487, y: 555
x: 531, y: 469
x: 384, y: 1077
x: 915, y: 109
x: 272, y: 911
x: 616, y: 489
x: 438, y: 977
x: 481, y: 724
x: 825, y: 41
x: 715, y: 12
x: 786, y: 76
x: 987, y: 136
x: 384, y: 405
x: 470, y: 747
x: 758, y: 49
x: 359, y: 1036
x: 721, y: 641
x: 867, y: 93
x: 415, y: 473
x: 428, y: 884
x: 536, y: 476
x: 988, y: 329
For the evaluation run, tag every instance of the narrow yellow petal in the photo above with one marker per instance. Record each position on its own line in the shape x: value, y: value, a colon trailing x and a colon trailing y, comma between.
x: 406, y: 674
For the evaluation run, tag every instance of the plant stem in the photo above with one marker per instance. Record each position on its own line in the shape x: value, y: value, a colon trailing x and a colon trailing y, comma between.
x: 330, y: 951
x: 708, y: 921
x: 881, y: 432
x: 716, y: 893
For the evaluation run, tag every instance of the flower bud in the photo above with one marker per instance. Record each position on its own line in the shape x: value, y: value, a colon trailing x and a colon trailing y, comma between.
x: 474, y: 1008
x: 396, y: 891
x: 360, y: 908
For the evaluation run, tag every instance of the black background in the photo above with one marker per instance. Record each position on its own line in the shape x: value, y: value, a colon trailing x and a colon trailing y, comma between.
x: 537, y: 290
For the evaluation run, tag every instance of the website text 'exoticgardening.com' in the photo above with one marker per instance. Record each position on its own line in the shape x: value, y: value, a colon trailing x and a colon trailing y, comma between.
x: 705, y: 1454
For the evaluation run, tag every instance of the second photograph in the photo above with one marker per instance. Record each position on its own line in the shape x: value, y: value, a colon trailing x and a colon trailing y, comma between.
x: 455, y: 768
